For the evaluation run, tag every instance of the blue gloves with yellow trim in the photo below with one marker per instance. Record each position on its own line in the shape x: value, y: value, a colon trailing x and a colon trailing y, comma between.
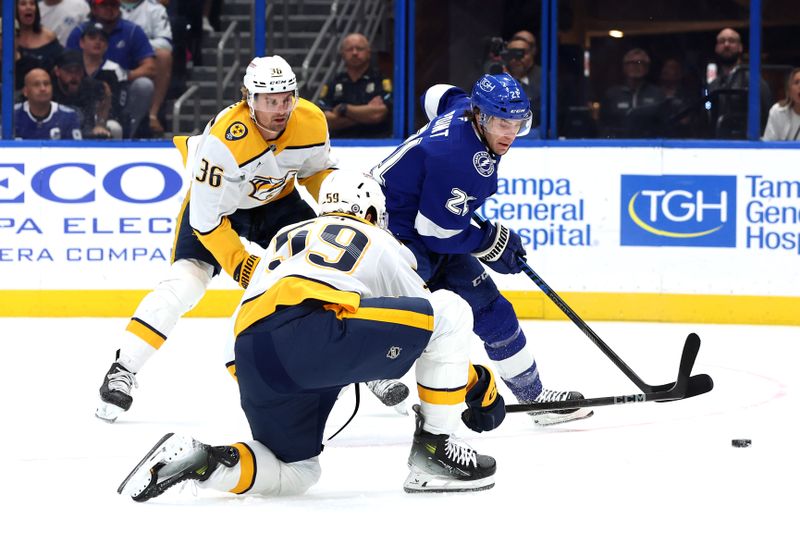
x: 485, y: 406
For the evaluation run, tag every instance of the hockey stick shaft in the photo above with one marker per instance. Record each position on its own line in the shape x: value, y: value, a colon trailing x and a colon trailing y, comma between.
x: 582, y: 325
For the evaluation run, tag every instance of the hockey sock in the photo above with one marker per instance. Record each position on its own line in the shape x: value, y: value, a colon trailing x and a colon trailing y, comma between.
x: 526, y: 386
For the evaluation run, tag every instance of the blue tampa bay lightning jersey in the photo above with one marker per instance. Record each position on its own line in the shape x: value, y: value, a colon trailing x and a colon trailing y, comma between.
x: 62, y: 123
x: 439, y: 176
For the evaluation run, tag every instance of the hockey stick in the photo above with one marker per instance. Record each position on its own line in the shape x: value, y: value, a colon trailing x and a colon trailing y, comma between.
x: 700, y: 383
x: 694, y: 384
x: 684, y: 387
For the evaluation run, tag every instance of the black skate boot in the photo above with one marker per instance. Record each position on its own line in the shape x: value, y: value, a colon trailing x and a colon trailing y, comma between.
x: 441, y: 463
x: 115, y: 393
x: 545, y: 418
x: 172, y: 460
x: 391, y: 393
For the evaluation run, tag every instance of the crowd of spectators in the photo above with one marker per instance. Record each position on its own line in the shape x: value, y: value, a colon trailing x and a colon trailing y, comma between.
x: 111, y: 61
x: 667, y: 102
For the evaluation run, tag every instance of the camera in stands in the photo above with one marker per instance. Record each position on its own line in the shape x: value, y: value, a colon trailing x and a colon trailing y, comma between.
x: 499, y: 55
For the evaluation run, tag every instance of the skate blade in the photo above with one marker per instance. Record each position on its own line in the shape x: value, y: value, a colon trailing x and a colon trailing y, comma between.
x: 140, y: 477
x: 428, y: 483
x: 108, y: 412
x: 549, y: 419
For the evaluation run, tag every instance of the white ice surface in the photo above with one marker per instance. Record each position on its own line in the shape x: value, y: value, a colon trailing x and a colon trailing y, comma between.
x: 650, y: 474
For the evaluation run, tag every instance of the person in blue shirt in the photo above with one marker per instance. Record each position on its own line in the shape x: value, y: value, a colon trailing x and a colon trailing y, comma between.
x: 38, y: 117
x: 433, y: 182
x: 129, y: 47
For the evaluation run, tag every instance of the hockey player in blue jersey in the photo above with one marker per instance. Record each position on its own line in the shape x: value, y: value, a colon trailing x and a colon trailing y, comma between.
x: 433, y: 182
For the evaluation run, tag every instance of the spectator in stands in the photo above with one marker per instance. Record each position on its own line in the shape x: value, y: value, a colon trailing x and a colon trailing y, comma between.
x: 129, y: 47
x: 621, y: 104
x: 37, y: 45
x: 94, y: 44
x: 358, y: 100
x: 61, y: 16
x: 681, y: 104
x: 152, y: 17
x: 38, y: 117
x: 784, y: 116
x: 670, y: 80
x: 520, y: 64
x: 92, y: 99
x: 727, y: 91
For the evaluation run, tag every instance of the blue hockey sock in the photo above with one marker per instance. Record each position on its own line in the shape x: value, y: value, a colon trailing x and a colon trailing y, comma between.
x: 526, y: 386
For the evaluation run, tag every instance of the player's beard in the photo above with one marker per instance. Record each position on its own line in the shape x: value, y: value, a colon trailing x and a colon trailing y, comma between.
x: 274, y: 124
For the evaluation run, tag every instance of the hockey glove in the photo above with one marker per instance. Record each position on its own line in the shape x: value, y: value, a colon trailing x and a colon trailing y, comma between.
x: 485, y: 406
x: 245, y: 270
x: 500, y: 249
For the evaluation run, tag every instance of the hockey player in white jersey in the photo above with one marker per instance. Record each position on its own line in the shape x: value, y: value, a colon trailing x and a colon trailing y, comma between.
x: 335, y: 301
x: 243, y: 170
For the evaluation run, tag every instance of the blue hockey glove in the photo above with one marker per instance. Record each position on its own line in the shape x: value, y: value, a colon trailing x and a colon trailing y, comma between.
x: 485, y: 406
x: 500, y: 249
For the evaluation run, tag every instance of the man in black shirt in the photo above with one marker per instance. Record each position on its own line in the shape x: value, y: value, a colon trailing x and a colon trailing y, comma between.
x: 74, y: 89
x: 357, y: 101
x: 632, y: 109
x: 728, y: 91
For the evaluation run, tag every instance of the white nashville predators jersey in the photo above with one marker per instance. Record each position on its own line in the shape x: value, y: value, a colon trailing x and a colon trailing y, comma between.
x: 231, y: 167
x: 337, y: 259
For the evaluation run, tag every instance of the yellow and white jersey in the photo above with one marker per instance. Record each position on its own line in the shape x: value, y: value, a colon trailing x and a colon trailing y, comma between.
x: 335, y: 258
x: 231, y: 167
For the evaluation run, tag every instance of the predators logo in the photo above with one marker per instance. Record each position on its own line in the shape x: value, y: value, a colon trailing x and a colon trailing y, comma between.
x: 267, y: 188
x: 236, y: 131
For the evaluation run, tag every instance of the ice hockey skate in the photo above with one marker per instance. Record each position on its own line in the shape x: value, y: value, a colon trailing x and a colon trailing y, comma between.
x: 172, y: 460
x: 546, y: 418
x: 115, y: 393
x: 391, y: 393
x: 443, y: 464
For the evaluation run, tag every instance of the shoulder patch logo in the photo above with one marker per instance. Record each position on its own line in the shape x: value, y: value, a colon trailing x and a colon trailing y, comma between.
x: 235, y: 131
x: 483, y: 163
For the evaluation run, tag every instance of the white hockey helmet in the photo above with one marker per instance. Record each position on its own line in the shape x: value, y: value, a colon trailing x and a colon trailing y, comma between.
x: 354, y: 193
x: 269, y: 75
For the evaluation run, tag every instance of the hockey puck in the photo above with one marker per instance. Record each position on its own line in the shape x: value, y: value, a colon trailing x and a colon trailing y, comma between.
x: 741, y: 443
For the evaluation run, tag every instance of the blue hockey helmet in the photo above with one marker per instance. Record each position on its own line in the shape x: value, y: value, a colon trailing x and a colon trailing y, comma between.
x: 500, y: 96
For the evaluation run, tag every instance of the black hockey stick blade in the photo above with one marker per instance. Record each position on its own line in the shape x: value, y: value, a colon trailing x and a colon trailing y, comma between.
x: 699, y: 384
x: 685, y: 383
x: 690, y: 349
